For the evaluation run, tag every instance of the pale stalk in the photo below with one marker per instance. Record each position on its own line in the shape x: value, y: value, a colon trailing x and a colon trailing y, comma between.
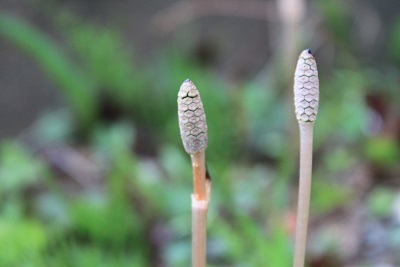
x: 306, y: 102
x: 306, y: 140
x: 199, y: 232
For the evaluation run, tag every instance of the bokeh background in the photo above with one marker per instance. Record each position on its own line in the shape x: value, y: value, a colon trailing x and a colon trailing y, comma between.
x: 92, y: 168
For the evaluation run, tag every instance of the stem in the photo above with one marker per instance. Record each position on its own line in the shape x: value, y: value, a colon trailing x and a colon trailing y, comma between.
x: 306, y: 139
x: 199, y: 175
x: 199, y: 232
x: 200, y: 199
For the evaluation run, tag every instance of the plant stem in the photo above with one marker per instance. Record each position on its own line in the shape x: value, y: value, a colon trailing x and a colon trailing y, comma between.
x: 306, y: 140
x: 199, y: 175
x: 199, y: 232
x: 200, y: 199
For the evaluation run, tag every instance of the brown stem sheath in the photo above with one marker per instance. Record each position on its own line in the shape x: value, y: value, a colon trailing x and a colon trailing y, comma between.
x: 199, y: 175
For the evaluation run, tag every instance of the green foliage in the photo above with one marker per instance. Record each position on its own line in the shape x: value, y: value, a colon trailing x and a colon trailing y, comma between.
x: 395, y: 41
x: 339, y: 159
x: 327, y: 196
x: 76, y: 89
x: 108, y: 224
x: 107, y: 61
x: 22, y: 242
x: 18, y: 169
x: 53, y: 128
x: 263, y: 121
x: 337, y: 18
x: 380, y: 201
x: 71, y: 255
x: 23, y: 239
x: 383, y: 151
x: 247, y: 248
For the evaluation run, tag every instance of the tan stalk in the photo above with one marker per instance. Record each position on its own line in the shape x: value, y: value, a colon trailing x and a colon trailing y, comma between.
x: 193, y: 127
x: 306, y: 99
x: 199, y: 172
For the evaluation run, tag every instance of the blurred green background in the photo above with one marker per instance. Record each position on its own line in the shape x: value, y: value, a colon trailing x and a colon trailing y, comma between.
x: 92, y: 168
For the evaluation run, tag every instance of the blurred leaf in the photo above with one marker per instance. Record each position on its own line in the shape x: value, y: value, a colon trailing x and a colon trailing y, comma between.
x: 22, y: 242
x: 343, y: 111
x: 380, y: 201
x: 339, y: 159
x: 104, y: 224
x: 18, y: 169
x: 75, y: 88
x: 327, y: 196
x: 383, y: 151
x: 394, y: 43
x: 53, y: 209
x: 53, y: 128
x: 83, y: 256
x: 336, y: 16
x: 250, y: 185
x: 107, y: 60
x: 115, y: 142
x: 178, y: 253
x: 277, y: 251
x: 250, y: 246
x: 177, y: 164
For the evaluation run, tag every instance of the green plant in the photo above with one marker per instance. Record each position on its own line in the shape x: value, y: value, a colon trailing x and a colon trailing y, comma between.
x: 74, y: 86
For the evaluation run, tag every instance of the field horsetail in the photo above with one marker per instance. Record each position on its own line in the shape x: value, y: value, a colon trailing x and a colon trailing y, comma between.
x: 193, y: 129
x: 306, y: 100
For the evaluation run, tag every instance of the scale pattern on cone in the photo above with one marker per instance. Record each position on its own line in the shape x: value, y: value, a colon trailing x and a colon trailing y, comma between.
x: 306, y: 88
x: 192, y: 120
